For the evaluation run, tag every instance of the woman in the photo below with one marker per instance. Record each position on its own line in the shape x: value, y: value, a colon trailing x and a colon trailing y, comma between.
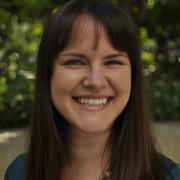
x: 90, y: 119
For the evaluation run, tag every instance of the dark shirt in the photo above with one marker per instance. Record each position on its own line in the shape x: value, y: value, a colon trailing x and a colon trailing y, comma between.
x: 16, y: 170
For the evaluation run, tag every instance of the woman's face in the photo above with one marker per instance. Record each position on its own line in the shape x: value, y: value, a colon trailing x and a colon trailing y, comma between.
x: 90, y: 86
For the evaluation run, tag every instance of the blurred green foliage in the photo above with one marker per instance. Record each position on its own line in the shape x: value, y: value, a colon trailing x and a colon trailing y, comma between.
x: 160, y: 39
x: 21, y: 25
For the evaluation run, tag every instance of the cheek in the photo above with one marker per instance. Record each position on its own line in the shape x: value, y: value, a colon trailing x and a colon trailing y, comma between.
x: 60, y: 89
x: 121, y: 80
x: 63, y: 82
x: 59, y: 86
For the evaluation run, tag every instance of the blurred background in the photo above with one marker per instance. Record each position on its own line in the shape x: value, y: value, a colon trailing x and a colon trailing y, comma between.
x: 21, y: 25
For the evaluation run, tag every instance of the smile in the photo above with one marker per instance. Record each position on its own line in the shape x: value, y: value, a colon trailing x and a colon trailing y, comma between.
x: 93, y: 103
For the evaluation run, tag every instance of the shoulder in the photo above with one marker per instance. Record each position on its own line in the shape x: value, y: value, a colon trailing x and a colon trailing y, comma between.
x: 172, y: 168
x: 16, y: 169
x: 175, y: 172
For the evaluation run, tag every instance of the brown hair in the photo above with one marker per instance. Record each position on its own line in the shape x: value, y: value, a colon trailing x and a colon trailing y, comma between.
x: 133, y: 156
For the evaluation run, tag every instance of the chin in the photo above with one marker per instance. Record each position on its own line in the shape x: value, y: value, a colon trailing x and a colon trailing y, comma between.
x: 92, y: 129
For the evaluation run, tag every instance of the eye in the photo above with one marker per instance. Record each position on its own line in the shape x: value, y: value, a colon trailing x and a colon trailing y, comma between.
x: 74, y: 62
x: 114, y: 62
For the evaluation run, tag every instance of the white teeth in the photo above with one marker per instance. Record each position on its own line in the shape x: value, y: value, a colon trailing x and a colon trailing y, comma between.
x: 93, y: 102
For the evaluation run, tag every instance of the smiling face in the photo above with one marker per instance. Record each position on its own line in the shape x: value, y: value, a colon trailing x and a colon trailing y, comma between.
x: 90, y: 86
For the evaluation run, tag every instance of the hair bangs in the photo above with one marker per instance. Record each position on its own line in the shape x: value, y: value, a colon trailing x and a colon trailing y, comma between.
x: 81, y: 25
x: 71, y: 21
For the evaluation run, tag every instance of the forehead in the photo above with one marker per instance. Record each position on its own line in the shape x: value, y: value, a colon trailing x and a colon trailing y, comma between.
x: 87, y: 31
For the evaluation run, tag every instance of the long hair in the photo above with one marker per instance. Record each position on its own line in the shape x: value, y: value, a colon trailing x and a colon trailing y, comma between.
x: 133, y: 153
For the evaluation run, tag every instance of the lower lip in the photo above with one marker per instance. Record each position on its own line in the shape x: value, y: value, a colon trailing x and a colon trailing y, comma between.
x: 93, y: 108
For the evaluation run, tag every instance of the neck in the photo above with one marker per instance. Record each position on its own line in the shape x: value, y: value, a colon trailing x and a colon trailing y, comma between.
x: 89, y: 155
x: 89, y: 148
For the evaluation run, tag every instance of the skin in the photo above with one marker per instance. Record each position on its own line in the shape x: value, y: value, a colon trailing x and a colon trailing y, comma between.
x: 92, y: 73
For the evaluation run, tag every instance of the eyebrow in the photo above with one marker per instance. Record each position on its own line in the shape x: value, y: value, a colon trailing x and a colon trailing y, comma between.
x: 81, y: 55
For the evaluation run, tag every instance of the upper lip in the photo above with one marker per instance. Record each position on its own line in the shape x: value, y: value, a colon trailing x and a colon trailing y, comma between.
x: 93, y: 96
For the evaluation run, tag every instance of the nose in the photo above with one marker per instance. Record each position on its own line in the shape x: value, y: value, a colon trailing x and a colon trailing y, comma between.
x: 95, y: 80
